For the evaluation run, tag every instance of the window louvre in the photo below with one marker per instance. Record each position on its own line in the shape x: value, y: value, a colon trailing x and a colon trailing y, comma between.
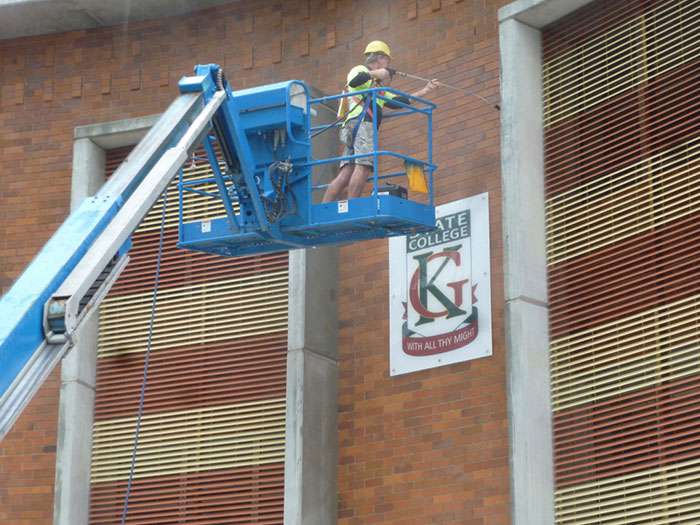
x: 211, y: 448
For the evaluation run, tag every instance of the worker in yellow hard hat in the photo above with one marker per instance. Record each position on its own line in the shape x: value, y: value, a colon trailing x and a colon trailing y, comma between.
x: 377, y: 46
x: 357, y: 131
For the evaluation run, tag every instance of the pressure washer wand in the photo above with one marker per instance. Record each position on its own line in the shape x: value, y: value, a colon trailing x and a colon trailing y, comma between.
x: 448, y: 86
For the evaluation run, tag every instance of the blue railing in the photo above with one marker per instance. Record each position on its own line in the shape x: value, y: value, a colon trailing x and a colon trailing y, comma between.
x: 223, y: 181
x: 418, y: 106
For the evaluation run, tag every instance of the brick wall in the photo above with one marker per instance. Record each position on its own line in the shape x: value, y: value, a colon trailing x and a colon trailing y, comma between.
x: 429, y: 447
x: 28, y: 460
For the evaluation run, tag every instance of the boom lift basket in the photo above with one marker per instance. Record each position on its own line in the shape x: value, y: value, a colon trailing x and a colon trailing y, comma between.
x: 264, y: 180
x: 258, y: 143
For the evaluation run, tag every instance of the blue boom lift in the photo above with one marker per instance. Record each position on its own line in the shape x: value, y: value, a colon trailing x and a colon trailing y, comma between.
x: 258, y: 143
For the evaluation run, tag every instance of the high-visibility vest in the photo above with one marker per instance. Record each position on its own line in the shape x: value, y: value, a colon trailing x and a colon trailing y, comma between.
x: 352, y: 106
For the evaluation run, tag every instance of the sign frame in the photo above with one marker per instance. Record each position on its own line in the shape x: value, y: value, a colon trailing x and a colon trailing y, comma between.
x: 440, y: 290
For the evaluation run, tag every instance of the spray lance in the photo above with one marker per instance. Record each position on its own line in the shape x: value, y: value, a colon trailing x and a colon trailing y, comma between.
x: 394, y: 72
x: 448, y: 86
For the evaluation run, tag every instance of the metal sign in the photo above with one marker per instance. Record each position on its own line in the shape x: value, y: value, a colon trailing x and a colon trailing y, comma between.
x: 440, y: 282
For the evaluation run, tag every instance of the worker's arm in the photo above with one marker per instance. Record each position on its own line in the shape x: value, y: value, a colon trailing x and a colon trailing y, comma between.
x: 429, y: 87
x: 360, y: 75
x: 392, y: 99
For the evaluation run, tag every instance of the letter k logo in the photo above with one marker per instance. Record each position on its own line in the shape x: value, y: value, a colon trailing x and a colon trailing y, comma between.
x: 421, y: 287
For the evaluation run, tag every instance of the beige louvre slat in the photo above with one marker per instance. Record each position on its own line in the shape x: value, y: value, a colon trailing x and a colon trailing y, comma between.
x: 629, y: 483
x: 620, y: 56
x: 632, y: 371
x: 137, y: 316
x: 173, y: 325
x: 204, y: 447
x: 631, y: 353
x: 202, y: 313
x: 601, y: 188
x: 662, y: 495
x: 613, y: 47
x: 606, y: 43
x: 259, y: 425
x: 195, y: 208
x: 575, y: 81
x: 225, y: 461
x: 632, y: 508
x: 171, y: 451
x: 585, y: 97
x: 165, y: 327
x: 632, y: 200
x: 205, y: 334
x: 632, y: 211
x: 190, y: 440
x: 241, y: 411
x: 612, y: 351
x: 630, y: 386
x: 630, y: 493
x: 197, y: 458
x: 614, y: 331
x: 666, y: 511
x: 232, y: 296
x: 247, y: 286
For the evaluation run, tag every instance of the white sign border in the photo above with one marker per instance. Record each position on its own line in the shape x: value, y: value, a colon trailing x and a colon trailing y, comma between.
x: 399, y: 362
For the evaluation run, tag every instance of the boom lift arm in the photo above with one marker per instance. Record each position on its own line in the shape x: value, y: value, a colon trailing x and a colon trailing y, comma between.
x: 73, y: 272
x: 262, y: 167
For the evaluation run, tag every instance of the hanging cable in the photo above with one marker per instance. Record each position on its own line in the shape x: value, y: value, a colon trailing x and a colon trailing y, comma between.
x: 277, y: 206
x: 144, y: 381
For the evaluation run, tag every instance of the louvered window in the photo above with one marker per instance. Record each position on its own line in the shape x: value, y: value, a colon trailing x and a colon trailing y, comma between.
x: 621, y: 84
x: 211, y: 447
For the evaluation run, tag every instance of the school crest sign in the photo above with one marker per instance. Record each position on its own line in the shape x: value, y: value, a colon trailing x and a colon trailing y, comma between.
x: 440, y: 306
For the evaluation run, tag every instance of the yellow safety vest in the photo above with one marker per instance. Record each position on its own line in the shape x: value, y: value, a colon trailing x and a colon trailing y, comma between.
x: 351, y: 107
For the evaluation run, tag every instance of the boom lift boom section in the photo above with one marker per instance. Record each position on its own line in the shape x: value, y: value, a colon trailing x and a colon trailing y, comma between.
x: 258, y: 143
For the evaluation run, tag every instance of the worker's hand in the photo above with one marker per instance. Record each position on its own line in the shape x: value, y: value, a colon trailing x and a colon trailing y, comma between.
x: 382, y: 74
x: 431, y: 86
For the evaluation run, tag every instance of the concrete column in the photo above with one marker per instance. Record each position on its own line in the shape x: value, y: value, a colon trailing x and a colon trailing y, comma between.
x: 77, y: 394
x: 310, y: 495
x: 525, y: 261
x: 88, y: 171
x: 525, y: 272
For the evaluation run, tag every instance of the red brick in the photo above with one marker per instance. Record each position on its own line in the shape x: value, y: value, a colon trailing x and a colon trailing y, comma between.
x: 429, y: 447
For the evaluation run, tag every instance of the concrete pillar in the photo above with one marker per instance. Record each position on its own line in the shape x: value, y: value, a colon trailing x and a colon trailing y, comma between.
x: 525, y: 261
x: 77, y: 394
x: 525, y: 272
x: 78, y: 369
x: 88, y: 171
x: 310, y: 495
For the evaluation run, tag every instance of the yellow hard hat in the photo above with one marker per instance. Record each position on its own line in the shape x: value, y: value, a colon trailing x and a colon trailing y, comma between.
x: 377, y: 46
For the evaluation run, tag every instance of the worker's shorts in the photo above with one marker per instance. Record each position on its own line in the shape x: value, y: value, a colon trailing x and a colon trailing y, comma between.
x: 362, y: 144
